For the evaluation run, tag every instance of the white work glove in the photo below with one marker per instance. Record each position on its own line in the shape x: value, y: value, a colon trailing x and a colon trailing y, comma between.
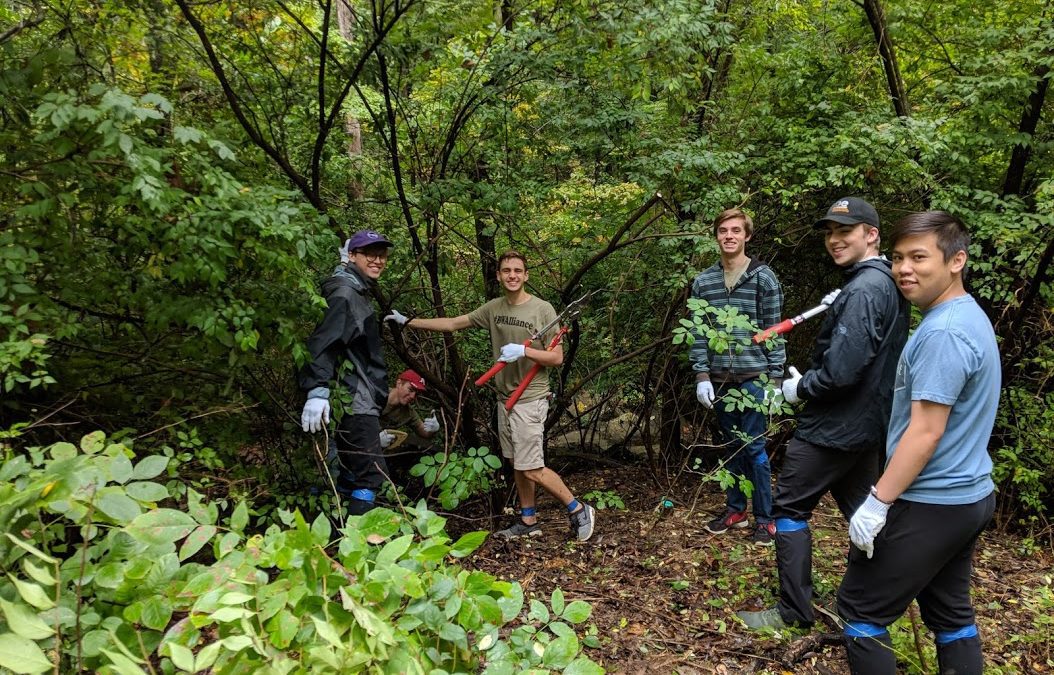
x: 830, y: 297
x: 397, y: 318
x: 866, y: 523
x: 430, y: 424
x: 315, y: 415
x: 345, y: 255
x: 511, y: 352
x: 704, y: 391
x: 790, y: 386
x: 385, y: 438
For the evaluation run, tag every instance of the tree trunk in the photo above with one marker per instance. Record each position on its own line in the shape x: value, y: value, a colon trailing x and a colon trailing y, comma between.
x: 1015, y: 173
x: 897, y: 91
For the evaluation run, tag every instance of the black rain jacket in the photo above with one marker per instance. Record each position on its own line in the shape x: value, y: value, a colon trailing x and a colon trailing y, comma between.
x: 848, y: 390
x: 349, y: 331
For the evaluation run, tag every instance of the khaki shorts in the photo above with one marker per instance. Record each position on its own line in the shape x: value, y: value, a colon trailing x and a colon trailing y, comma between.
x: 521, y: 431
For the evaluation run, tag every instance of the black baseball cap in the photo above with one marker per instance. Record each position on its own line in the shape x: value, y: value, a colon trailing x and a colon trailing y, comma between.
x: 849, y: 211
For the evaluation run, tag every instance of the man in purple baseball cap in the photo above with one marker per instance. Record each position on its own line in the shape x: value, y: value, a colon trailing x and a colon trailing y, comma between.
x: 350, y: 332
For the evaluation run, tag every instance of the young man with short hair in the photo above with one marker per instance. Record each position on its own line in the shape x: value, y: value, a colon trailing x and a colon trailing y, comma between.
x: 511, y: 320
x: 398, y: 411
x: 915, y: 533
x: 350, y: 333
x: 751, y: 287
x: 847, y: 392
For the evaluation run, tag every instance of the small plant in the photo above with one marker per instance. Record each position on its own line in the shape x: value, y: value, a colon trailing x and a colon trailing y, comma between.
x: 457, y: 476
x: 604, y: 499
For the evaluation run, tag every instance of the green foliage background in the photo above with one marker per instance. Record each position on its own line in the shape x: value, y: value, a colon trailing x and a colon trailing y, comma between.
x: 178, y: 177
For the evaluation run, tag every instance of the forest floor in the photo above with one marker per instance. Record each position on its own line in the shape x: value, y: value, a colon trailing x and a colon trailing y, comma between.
x: 664, y: 591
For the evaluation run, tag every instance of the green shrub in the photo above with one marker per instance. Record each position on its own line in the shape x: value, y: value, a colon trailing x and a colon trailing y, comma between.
x: 458, y: 477
x: 104, y: 575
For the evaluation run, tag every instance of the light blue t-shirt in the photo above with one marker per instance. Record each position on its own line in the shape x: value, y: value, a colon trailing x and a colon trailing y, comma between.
x: 951, y: 359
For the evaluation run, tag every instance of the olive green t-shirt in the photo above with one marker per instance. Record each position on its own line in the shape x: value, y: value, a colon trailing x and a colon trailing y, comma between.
x: 515, y: 323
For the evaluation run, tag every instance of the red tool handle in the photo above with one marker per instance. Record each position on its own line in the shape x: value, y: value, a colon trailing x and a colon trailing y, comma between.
x: 533, y: 371
x: 496, y: 368
x: 779, y: 329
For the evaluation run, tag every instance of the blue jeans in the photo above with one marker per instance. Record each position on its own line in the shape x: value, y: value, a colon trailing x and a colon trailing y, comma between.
x: 745, y: 458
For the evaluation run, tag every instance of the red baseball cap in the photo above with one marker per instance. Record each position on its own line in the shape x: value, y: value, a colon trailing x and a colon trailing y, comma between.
x: 415, y: 380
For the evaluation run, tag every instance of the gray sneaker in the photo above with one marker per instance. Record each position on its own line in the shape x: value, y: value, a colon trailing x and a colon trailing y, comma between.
x: 520, y: 529
x: 582, y: 522
x: 765, y: 619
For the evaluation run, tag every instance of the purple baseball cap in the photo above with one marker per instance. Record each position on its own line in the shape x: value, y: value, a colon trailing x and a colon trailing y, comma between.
x: 364, y: 238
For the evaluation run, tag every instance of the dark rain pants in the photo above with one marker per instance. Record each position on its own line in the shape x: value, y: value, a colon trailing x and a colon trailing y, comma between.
x: 363, y: 469
x: 809, y: 472
x: 924, y: 552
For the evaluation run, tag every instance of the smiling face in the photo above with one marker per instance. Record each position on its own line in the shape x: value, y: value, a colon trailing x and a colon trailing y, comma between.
x: 512, y: 274
x: 732, y: 237
x: 405, y: 393
x: 849, y: 244
x: 371, y: 260
x: 923, y: 276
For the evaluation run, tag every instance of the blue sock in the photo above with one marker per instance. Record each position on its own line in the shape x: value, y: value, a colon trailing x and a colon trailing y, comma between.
x: 573, y: 506
x: 528, y: 511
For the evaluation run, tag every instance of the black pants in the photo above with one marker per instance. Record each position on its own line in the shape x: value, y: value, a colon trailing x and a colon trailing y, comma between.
x: 925, y: 551
x: 809, y: 472
x: 362, y: 465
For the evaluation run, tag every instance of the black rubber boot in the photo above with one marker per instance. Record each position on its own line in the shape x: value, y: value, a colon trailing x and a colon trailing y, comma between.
x: 794, y: 561
x: 357, y: 507
x: 960, y: 657
x: 871, y: 655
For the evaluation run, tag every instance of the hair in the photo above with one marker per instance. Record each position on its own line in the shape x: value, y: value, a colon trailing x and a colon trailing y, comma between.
x: 952, y: 236
x: 729, y: 214
x: 510, y: 255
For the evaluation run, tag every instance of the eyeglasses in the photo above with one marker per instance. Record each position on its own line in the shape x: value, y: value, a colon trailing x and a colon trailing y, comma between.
x: 372, y: 257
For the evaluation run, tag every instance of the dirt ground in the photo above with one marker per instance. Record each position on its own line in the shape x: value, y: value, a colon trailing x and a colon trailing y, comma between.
x: 664, y: 591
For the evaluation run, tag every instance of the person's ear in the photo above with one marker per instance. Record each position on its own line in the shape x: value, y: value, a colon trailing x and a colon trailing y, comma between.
x: 958, y: 262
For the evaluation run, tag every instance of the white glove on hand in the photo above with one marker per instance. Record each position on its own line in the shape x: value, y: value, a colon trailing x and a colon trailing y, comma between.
x: 315, y: 415
x: 866, y: 523
x: 512, y: 352
x: 704, y: 391
x: 345, y: 255
x: 385, y: 438
x: 430, y: 424
x: 830, y: 297
x: 397, y: 318
x: 790, y: 386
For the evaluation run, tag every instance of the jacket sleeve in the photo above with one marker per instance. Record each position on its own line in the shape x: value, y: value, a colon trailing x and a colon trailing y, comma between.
x: 699, y: 353
x: 855, y: 339
x: 337, y: 328
x: 771, y: 310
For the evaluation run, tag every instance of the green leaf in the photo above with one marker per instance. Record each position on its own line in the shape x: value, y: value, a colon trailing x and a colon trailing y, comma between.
x: 117, y: 505
x: 394, y: 550
x: 146, y: 491
x: 227, y: 543
x: 282, y: 628
x: 24, y: 621
x: 577, y: 611
x: 93, y: 442
x: 21, y: 655
x: 150, y: 467
x: 25, y: 545
x: 162, y: 526
x: 120, y: 468
x: 327, y: 632
x: 207, y: 656
x: 560, y: 652
x: 467, y: 544
x: 321, y: 529
x: 538, y: 612
x: 228, y: 614
x: 156, y: 613
x: 63, y: 450
x: 40, y: 574
x: 201, y: 535
x: 181, y: 657
x: 583, y: 665
x: 557, y: 601
x: 240, y: 517
x: 32, y: 593
x: 235, y: 598
x: 122, y: 664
